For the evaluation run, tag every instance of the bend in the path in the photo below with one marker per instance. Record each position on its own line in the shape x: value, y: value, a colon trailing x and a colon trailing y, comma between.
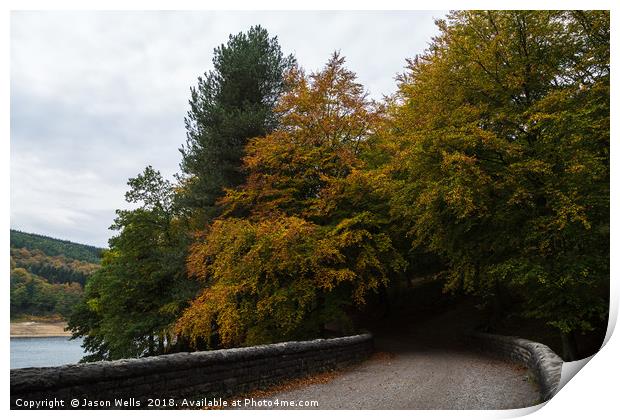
x: 424, y: 366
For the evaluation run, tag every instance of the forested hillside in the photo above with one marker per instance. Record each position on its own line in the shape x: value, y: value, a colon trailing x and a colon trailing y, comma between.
x: 300, y: 199
x: 54, y: 247
x: 47, y: 274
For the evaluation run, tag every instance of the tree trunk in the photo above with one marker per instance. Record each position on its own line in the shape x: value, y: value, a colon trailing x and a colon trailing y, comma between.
x: 151, y: 345
x: 160, y: 343
x: 569, y: 347
x: 182, y: 344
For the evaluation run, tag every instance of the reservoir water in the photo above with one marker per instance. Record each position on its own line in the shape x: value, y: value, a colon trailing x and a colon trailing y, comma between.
x: 44, y: 351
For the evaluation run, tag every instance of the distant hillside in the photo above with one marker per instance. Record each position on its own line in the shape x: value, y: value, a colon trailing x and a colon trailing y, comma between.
x: 57, y: 269
x: 48, y: 275
x: 54, y: 247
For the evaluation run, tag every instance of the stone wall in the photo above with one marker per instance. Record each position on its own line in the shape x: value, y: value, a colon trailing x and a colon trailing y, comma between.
x: 540, y: 359
x: 209, y: 374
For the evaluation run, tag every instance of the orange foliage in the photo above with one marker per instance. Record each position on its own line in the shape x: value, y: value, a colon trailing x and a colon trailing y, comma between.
x: 298, y: 243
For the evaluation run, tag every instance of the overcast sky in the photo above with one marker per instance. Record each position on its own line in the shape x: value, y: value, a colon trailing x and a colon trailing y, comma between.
x: 97, y: 96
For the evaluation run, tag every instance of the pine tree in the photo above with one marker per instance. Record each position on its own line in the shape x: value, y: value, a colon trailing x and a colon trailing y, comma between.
x: 230, y: 105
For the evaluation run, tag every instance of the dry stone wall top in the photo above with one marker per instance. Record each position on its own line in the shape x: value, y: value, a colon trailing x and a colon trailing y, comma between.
x: 209, y: 374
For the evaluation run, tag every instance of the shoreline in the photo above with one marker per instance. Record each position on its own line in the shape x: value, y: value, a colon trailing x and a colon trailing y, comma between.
x: 39, y: 335
x: 38, y: 329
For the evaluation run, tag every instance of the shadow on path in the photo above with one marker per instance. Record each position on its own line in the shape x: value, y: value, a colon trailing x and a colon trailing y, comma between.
x: 424, y: 365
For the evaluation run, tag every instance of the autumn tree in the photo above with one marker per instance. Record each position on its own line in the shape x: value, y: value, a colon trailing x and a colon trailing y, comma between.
x: 132, y: 302
x: 231, y: 104
x: 501, y: 161
x: 303, y: 239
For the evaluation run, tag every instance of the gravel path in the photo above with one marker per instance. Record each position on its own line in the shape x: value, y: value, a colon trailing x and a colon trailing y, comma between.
x: 424, y: 368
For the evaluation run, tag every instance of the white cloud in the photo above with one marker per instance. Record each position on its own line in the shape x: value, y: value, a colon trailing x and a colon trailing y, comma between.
x: 96, y: 96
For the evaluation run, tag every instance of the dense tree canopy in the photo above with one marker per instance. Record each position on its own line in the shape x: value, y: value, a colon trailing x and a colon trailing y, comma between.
x: 231, y: 104
x: 55, y: 247
x: 502, y: 163
x: 34, y: 295
x: 300, y: 197
x: 132, y: 301
x: 47, y: 274
x: 59, y: 269
x: 299, y: 241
